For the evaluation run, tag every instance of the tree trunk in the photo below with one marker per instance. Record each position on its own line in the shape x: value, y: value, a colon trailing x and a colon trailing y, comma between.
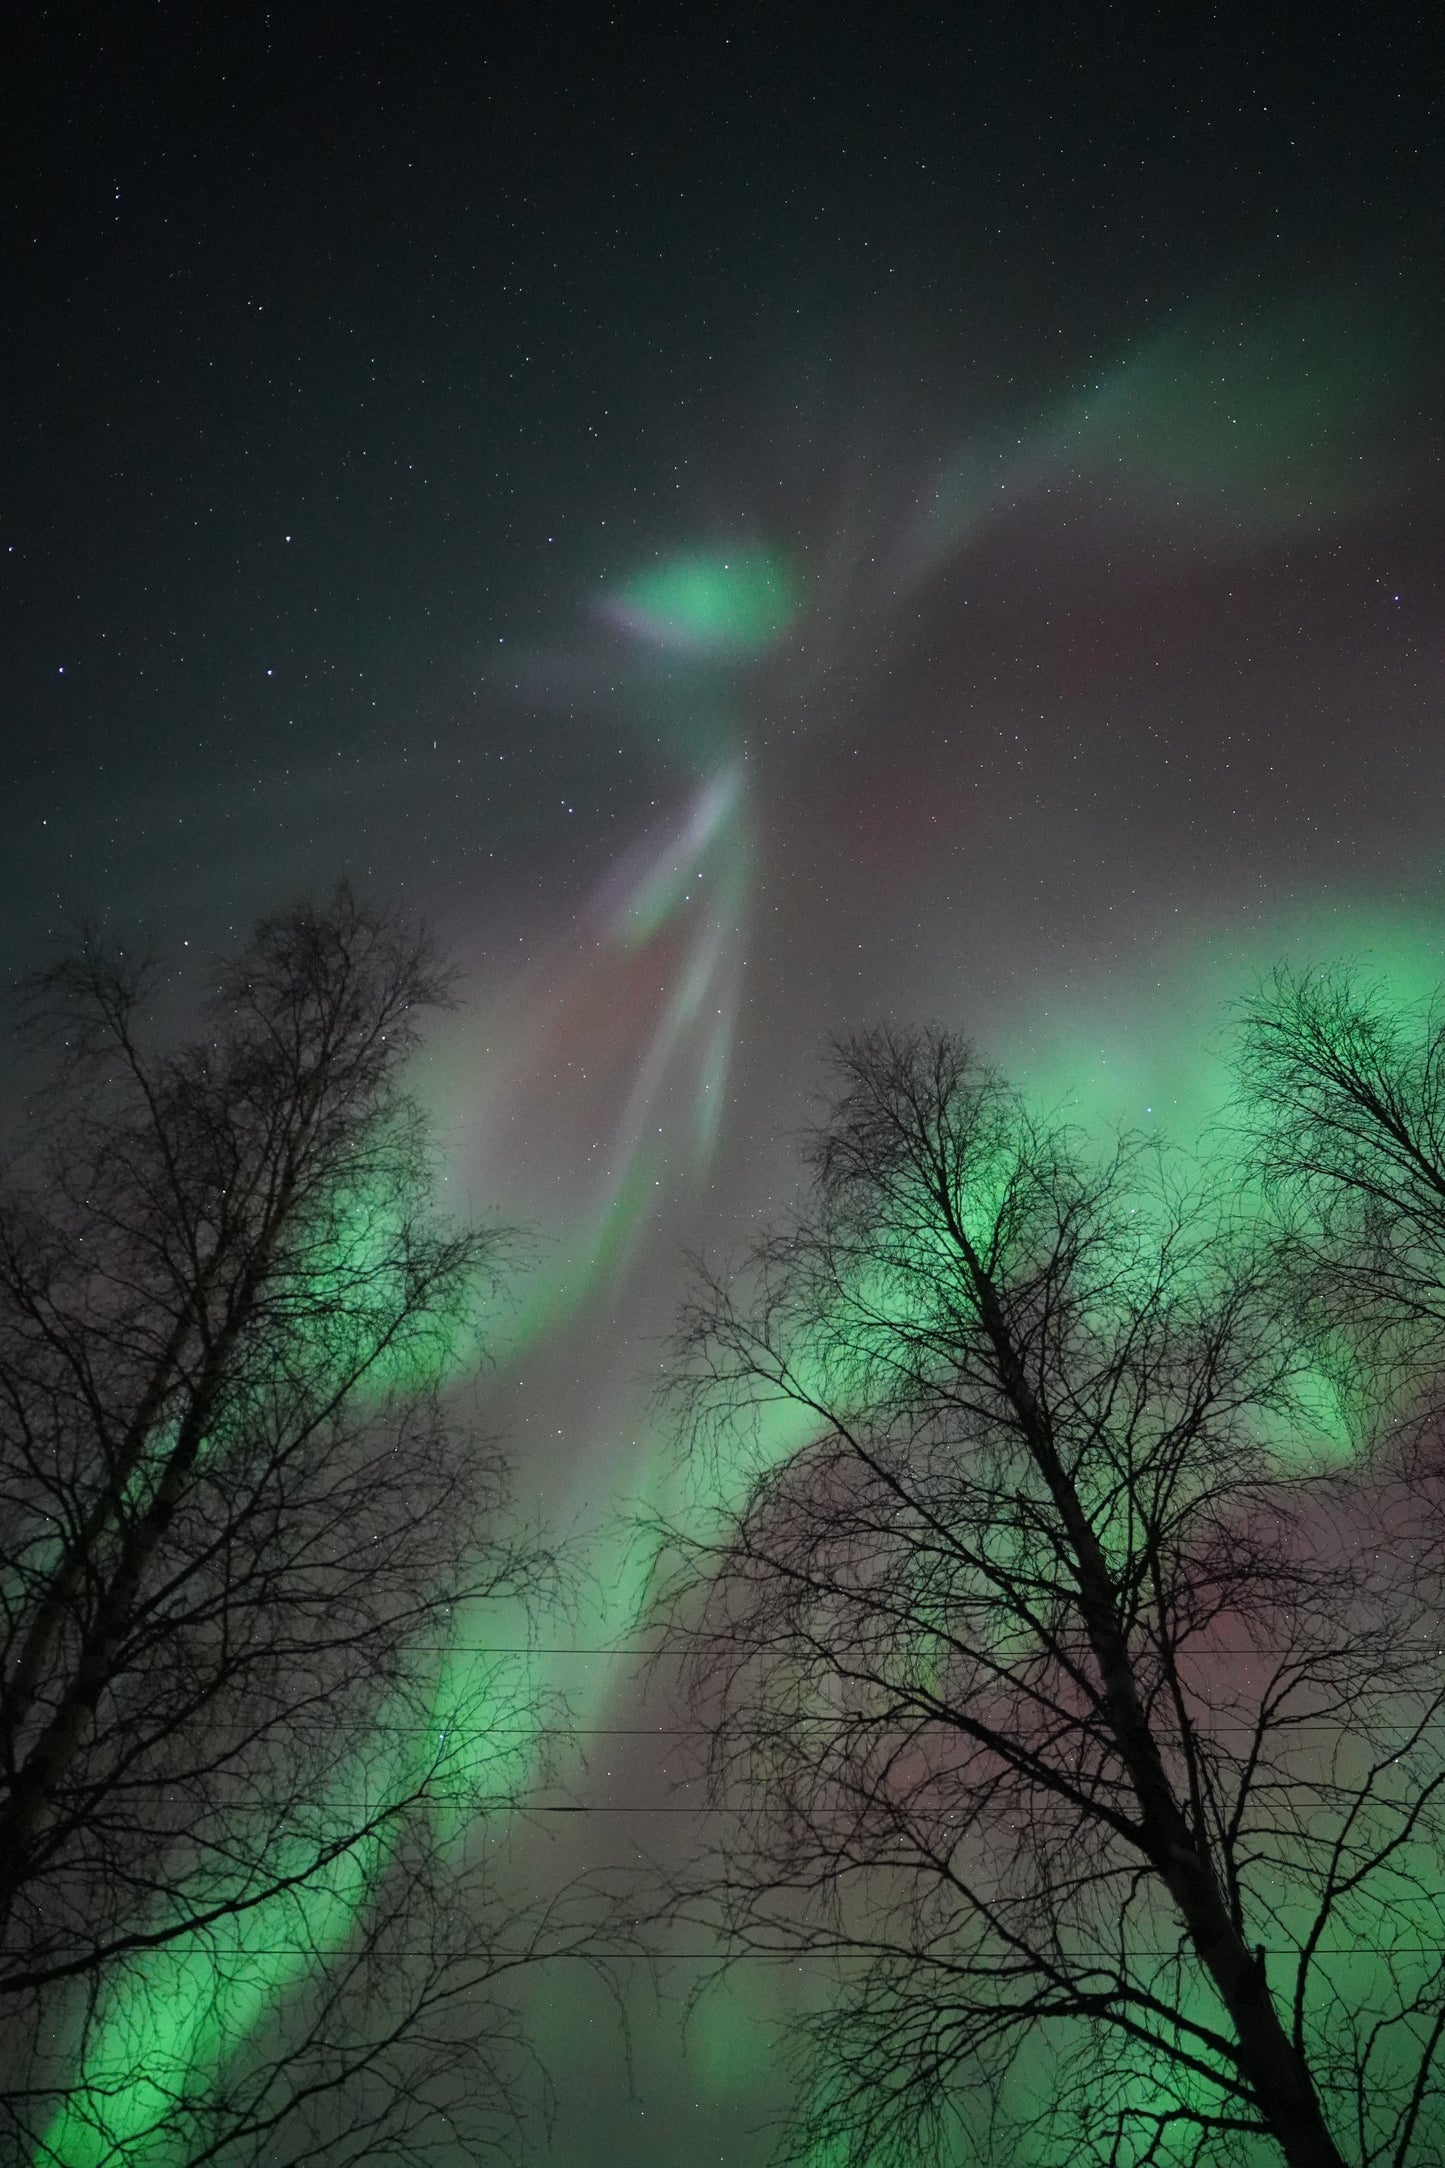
x: 1271, y: 2064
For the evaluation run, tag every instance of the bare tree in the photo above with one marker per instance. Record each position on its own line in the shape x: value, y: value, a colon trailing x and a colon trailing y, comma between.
x: 1343, y: 1102
x: 1051, y: 1693
x: 238, y: 1532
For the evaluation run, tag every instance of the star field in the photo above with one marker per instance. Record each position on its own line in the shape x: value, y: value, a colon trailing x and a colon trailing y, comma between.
x: 751, y: 523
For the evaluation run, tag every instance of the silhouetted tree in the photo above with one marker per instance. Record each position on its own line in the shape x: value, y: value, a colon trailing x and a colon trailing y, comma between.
x: 1052, y: 1686
x: 237, y: 1533
x: 1343, y: 1101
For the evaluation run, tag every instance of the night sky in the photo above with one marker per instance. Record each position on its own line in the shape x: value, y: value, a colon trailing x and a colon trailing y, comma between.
x: 753, y: 521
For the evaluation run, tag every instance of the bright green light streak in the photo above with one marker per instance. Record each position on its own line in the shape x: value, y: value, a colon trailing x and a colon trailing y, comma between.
x: 169, y: 2021
x: 734, y: 604
x: 1125, y: 1059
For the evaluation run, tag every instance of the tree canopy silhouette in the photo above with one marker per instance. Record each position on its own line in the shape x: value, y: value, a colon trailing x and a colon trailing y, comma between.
x: 238, y: 1530
x: 1055, y: 1683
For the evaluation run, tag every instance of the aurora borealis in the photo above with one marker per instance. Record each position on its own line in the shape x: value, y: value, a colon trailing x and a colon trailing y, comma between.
x: 751, y: 528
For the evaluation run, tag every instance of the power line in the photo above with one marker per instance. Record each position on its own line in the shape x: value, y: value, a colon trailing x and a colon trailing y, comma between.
x: 832, y: 1957
x: 704, y: 1645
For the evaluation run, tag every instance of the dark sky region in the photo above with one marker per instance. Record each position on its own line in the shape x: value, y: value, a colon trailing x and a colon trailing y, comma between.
x: 755, y: 519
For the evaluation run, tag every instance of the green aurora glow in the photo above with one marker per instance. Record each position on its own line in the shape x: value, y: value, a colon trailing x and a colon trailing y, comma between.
x: 729, y: 604
x: 1180, y: 414
x: 170, y: 2025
